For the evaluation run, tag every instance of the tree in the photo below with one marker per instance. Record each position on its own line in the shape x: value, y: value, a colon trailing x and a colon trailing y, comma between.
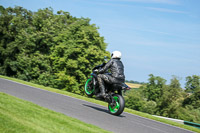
x: 192, y: 83
x: 153, y: 90
x: 56, y: 50
x: 172, y: 99
x: 193, y: 100
x: 13, y: 21
x: 134, y: 100
x: 77, y: 51
x: 149, y: 107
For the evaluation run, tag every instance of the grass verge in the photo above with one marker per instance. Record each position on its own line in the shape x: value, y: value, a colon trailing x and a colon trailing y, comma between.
x: 17, y: 115
x: 104, y: 104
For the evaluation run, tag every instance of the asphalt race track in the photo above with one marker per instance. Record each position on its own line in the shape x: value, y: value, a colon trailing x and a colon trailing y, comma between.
x: 86, y: 111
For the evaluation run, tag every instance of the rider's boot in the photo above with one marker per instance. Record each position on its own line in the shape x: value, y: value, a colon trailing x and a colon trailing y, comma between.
x: 102, y: 93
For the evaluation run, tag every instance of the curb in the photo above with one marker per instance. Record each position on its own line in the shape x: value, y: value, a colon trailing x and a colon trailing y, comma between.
x: 175, y: 120
x: 196, y: 125
x: 192, y: 124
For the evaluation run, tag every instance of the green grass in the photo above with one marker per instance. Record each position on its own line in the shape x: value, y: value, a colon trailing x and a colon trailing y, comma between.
x: 19, y: 116
x: 105, y: 104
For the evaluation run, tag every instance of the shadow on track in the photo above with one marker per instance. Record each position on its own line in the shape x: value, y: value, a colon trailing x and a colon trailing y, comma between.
x: 100, y: 109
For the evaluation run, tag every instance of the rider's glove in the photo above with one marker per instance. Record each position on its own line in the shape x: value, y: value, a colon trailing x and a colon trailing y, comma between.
x: 96, y: 70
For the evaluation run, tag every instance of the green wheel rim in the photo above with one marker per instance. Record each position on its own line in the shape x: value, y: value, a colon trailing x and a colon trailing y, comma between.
x: 116, y: 107
x: 88, y: 90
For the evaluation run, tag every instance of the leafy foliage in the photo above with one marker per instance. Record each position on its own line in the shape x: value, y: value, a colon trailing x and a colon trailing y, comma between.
x: 56, y: 50
x: 154, y: 89
x: 134, y: 100
x: 193, y: 100
x: 156, y: 97
x: 193, y: 83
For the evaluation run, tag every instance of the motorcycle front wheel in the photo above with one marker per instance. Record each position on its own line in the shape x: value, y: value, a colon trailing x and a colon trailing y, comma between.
x: 89, y: 88
x: 117, y: 107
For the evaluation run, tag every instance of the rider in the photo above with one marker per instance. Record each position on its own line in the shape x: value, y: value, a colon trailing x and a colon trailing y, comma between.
x: 117, y: 73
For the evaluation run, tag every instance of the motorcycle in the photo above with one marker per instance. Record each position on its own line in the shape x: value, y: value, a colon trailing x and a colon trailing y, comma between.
x: 116, y: 102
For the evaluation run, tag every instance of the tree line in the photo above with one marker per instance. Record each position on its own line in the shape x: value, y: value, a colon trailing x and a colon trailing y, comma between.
x: 158, y: 98
x: 135, y: 82
x: 56, y: 50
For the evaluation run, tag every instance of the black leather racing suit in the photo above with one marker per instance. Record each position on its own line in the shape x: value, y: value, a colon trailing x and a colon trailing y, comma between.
x: 117, y: 74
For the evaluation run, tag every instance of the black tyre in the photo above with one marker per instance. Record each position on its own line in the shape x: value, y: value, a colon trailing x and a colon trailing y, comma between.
x: 89, y: 88
x: 118, y: 107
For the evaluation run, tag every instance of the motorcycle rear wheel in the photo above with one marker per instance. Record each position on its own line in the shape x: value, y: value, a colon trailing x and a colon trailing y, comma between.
x: 118, y: 107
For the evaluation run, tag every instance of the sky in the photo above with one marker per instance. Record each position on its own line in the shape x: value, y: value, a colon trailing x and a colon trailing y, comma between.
x: 159, y: 37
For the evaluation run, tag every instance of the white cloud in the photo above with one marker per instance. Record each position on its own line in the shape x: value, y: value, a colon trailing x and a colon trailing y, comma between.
x: 116, y: 2
x: 154, y: 1
x: 166, y: 10
x: 172, y: 2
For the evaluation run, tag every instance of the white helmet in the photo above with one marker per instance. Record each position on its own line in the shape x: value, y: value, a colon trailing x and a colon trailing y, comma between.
x: 116, y: 54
